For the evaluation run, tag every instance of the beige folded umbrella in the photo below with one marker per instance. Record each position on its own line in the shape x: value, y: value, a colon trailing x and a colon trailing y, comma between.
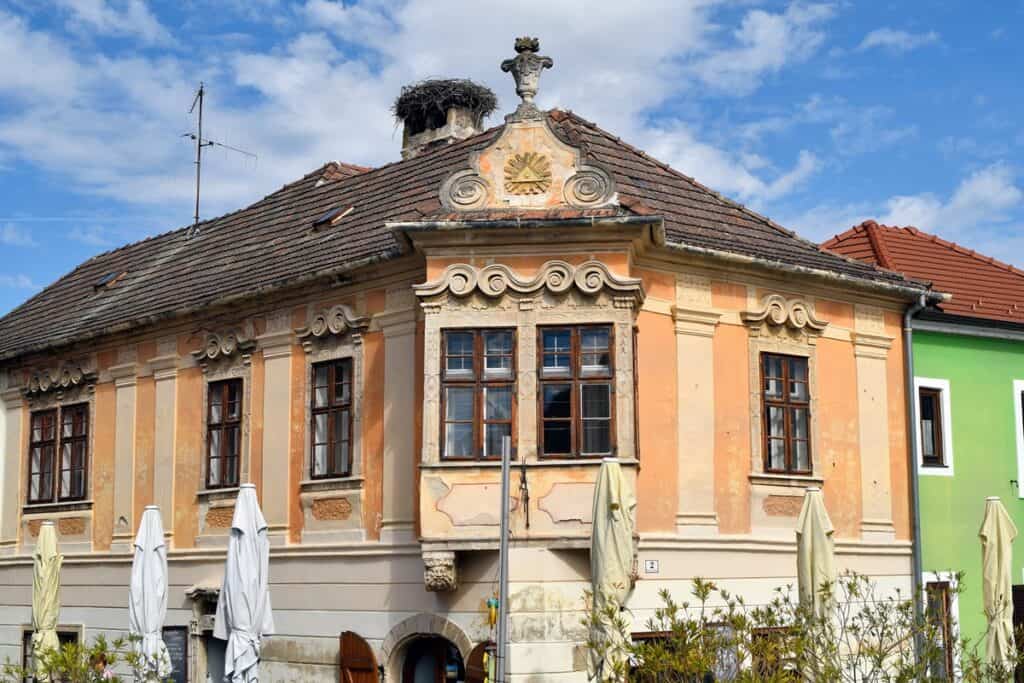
x: 46, y: 564
x: 611, y: 551
x: 815, y: 552
x: 997, y: 534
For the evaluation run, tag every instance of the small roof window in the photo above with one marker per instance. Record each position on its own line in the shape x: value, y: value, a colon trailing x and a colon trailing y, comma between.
x: 332, y: 217
x: 109, y: 280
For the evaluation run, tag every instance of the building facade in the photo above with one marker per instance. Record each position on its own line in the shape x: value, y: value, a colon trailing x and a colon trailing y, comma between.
x: 359, y: 343
x: 968, y: 360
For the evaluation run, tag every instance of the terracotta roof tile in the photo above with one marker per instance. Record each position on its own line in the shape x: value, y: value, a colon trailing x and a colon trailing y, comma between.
x: 981, y: 286
x: 271, y: 244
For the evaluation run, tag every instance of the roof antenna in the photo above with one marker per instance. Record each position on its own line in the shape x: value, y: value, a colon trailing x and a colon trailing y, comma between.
x: 200, y: 143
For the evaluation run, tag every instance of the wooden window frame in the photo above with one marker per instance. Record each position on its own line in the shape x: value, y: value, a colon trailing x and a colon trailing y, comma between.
x: 334, y: 411
x: 787, y: 404
x: 223, y: 426
x: 479, y: 381
x: 939, y: 459
x: 945, y: 591
x: 577, y: 379
x: 77, y: 441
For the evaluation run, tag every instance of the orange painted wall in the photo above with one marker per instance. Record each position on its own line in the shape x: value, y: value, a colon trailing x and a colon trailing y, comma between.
x: 657, y: 284
x: 103, y: 466
x: 838, y: 453
x: 657, y: 483
x: 899, y: 455
x: 373, y: 432
x: 188, y: 454
x: 296, y: 442
x: 732, y: 429
x: 145, y: 426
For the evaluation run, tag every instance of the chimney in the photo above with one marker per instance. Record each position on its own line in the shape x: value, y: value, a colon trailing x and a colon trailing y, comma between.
x: 440, y: 112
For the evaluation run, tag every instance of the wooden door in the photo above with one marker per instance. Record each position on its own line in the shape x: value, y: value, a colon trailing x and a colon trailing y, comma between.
x: 358, y: 665
x: 1018, y: 622
x: 476, y: 670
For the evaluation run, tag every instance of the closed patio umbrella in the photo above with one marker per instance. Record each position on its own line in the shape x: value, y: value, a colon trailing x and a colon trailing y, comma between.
x: 243, y: 609
x: 46, y: 564
x: 815, y: 553
x: 611, y: 556
x: 997, y: 534
x: 147, y: 597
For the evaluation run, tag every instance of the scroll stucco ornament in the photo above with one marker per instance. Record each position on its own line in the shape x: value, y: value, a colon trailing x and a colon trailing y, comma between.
x: 778, y: 311
x: 557, y: 277
x: 589, y: 187
x: 464, y: 190
x: 526, y: 67
x: 337, y: 320
x: 439, y: 572
x: 223, y: 345
x: 62, y: 378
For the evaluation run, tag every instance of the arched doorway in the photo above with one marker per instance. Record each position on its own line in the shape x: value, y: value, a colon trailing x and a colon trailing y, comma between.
x: 432, y: 659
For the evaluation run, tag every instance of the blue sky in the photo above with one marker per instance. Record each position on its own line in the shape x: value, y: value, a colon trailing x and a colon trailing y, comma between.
x: 819, y: 114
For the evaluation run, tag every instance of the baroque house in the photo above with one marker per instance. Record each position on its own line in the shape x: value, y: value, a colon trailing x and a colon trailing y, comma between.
x: 359, y: 343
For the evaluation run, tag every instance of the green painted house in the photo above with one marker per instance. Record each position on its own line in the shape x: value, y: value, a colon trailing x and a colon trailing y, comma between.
x: 968, y: 368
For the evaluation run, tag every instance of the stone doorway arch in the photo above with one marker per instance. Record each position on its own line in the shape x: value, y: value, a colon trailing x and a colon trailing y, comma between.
x: 423, y: 624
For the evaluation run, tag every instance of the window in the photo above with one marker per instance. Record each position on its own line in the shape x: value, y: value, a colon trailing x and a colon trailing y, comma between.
x: 786, y: 411
x: 930, y: 424
x: 576, y: 387
x: 58, y: 450
x: 477, y: 397
x: 223, y: 433
x: 331, y: 412
x: 940, y: 622
x: 28, y: 661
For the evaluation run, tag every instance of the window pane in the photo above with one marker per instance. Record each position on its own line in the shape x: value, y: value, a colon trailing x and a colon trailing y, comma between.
x: 498, y: 403
x: 67, y: 422
x: 342, y: 384
x: 214, y: 472
x: 596, y: 400
x: 215, y: 437
x: 596, y: 437
x: 341, y: 457
x: 216, y: 415
x: 798, y: 369
x: 65, y: 455
x: 459, y: 349
x: 234, y: 400
x: 231, y: 473
x: 798, y: 391
x: 801, y: 461
x: 494, y: 438
x: 927, y: 407
x: 557, y: 400
x: 65, y: 484
x: 557, y: 346
x: 776, y: 454
x: 776, y: 422
x: 320, y: 428
x: 557, y: 438
x: 459, y: 403
x: 594, y: 352
x: 498, y: 353
x: 319, y: 460
x: 320, y: 386
x: 458, y: 440
x: 341, y: 426
x: 799, y: 418
x: 232, y: 437
x: 927, y: 439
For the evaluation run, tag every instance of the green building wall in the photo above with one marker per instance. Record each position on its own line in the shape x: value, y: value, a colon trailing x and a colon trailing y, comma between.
x: 980, y: 372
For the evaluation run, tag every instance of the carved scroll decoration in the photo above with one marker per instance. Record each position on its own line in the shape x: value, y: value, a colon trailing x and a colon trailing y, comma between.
x: 589, y: 187
x: 464, y: 190
x: 793, y: 314
x: 62, y: 378
x: 557, y: 277
x: 335, y: 321
x: 224, y: 345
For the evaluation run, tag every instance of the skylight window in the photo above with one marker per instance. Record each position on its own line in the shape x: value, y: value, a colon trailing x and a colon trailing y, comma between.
x: 332, y: 217
x: 109, y: 280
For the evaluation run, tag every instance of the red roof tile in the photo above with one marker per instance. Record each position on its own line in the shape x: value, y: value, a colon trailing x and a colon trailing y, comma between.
x: 981, y: 286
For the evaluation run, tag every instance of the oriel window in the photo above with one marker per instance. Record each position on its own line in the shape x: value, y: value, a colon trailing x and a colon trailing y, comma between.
x: 786, y: 410
x: 331, y: 412
x: 58, y: 454
x: 223, y: 433
x: 576, y: 391
x: 478, y: 392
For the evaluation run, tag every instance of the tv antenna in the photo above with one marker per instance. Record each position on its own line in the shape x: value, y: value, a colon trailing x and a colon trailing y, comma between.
x: 203, y: 142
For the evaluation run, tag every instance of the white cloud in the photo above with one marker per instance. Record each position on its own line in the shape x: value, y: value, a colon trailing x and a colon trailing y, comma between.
x: 896, y: 40
x: 17, y: 281
x: 93, y: 236
x: 13, y: 236
x: 130, y: 18
x: 985, y: 197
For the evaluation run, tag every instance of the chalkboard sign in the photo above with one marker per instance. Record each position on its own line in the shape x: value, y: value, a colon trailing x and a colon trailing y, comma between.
x: 176, y: 639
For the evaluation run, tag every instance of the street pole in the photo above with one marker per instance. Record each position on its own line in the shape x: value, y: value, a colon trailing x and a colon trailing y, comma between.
x: 502, y: 645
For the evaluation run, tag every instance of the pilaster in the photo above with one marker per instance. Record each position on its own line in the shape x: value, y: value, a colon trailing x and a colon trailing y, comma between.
x: 165, y: 375
x: 12, y: 403
x: 695, y: 382
x: 124, y: 377
x: 276, y: 347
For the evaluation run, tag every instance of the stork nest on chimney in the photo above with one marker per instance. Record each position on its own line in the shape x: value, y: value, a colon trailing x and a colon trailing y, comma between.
x: 425, y: 104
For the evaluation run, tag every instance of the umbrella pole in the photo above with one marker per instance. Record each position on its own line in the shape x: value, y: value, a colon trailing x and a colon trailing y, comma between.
x: 502, y: 637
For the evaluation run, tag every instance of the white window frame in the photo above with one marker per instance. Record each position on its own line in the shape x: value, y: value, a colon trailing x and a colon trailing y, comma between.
x: 942, y: 386
x: 1018, y: 431
x: 954, y: 611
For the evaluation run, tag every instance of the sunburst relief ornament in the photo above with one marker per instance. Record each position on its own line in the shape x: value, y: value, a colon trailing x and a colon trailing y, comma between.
x: 527, y: 173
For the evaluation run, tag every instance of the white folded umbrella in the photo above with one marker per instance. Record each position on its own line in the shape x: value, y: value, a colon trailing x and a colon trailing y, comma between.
x: 147, y: 598
x: 244, y: 616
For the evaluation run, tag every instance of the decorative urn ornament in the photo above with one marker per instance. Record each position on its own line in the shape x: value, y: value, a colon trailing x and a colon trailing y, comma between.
x: 526, y: 67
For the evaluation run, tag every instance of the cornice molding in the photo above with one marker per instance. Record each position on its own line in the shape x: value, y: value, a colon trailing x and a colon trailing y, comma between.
x: 557, y: 277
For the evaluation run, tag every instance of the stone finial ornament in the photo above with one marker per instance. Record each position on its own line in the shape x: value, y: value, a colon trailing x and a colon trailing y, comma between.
x: 526, y: 67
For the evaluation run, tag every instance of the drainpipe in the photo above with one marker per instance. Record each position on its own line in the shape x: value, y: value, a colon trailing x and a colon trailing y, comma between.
x: 915, y: 511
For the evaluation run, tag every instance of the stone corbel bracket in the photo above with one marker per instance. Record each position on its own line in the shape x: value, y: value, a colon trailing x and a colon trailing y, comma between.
x: 335, y: 321
x: 793, y: 315
x: 439, y: 571
x: 224, y: 345
x: 558, y: 277
x: 62, y: 378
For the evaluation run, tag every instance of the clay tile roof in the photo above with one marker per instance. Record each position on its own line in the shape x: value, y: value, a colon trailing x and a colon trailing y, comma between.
x: 271, y: 244
x: 981, y: 286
